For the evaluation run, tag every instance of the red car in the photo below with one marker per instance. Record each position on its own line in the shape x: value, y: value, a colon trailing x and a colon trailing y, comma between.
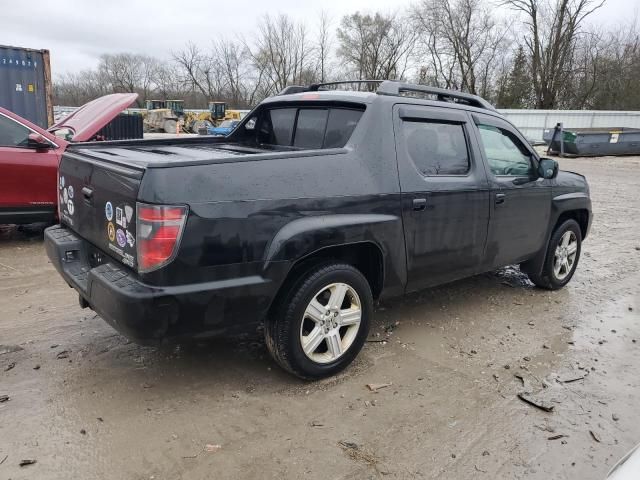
x: 29, y: 156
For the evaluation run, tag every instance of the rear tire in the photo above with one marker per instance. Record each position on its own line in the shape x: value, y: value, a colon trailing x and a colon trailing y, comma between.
x: 562, y: 257
x: 322, y: 322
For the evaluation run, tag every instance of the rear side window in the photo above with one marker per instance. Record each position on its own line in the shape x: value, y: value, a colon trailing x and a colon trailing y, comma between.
x: 437, y: 148
x: 12, y: 134
x: 282, y: 121
x: 341, y: 124
x: 309, y: 128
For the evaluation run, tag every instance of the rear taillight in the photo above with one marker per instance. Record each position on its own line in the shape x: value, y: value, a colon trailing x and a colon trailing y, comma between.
x: 158, y: 232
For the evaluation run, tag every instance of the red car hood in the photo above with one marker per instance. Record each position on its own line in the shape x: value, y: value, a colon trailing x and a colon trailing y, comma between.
x: 87, y: 120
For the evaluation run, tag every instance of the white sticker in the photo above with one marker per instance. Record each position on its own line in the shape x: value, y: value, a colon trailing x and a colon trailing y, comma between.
x: 119, y: 216
x: 18, y: 87
x: 130, y: 239
x: 108, y: 211
x: 116, y: 249
x: 61, y: 182
x: 70, y: 190
x: 70, y: 207
x: 127, y: 259
x: 128, y: 211
x: 65, y: 196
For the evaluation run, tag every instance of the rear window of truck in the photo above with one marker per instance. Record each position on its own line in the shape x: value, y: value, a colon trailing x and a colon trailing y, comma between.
x: 308, y: 127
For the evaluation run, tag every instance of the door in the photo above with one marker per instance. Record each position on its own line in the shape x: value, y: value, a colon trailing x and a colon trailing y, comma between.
x: 521, y: 202
x: 445, y: 194
x: 27, y: 176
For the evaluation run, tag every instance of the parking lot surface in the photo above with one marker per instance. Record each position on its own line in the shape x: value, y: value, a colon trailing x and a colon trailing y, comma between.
x: 86, y: 403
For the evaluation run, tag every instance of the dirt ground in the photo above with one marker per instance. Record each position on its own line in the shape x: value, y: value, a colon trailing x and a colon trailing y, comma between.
x: 86, y: 403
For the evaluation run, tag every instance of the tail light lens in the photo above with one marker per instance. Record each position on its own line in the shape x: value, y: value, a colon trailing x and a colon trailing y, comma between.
x: 158, y: 232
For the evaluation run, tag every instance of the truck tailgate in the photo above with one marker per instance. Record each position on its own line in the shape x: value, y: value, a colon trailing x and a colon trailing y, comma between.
x: 98, y: 202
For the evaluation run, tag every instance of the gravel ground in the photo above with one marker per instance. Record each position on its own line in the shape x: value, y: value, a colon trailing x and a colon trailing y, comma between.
x: 86, y: 403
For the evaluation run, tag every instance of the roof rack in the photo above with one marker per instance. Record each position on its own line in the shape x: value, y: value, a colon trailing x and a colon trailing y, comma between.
x: 397, y: 88
x: 318, y: 86
x: 393, y: 87
x: 293, y: 89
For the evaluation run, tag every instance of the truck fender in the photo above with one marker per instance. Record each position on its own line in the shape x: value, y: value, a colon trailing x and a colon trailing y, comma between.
x: 560, y: 204
x: 305, y: 235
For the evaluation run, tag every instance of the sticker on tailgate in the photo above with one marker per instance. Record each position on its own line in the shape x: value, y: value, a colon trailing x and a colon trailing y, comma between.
x: 65, y: 199
x: 119, y: 232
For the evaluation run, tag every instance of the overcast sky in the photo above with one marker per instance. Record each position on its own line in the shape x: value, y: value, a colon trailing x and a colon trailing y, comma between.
x: 77, y: 32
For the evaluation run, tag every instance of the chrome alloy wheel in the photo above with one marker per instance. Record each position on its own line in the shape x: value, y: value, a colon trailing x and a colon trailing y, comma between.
x: 565, y: 255
x: 330, y: 323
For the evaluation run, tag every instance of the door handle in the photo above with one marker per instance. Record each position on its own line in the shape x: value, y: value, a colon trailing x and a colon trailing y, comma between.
x: 500, y: 197
x: 419, y: 204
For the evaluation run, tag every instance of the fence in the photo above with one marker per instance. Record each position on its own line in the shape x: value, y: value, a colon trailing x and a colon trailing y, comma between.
x: 532, y: 123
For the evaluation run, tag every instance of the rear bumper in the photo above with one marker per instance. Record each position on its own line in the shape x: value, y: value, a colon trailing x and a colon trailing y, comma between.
x: 149, y: 314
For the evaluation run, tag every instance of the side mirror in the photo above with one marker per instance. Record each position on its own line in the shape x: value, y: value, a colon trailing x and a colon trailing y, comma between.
x: 37, y: 141
x: 548, y: 168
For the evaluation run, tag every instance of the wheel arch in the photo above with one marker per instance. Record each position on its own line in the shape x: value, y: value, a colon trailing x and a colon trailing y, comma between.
x: 378, y: 238
x: 367, y: 256
x: 581, y: 214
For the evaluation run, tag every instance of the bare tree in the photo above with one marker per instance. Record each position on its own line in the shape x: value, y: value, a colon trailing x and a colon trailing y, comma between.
x: 375, y: 46
x: 461, y: 40
x: 76, y: 88
x: 129, y: 72
x: 323, y: 44
x: 281, y: 54
x: 616, y: 70
x: 232, y: 57
x: 551, y: 39
x: 202, y: 70
x: 459, y: 44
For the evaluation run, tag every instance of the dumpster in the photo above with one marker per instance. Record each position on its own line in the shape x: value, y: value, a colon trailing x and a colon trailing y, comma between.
x: 584, y: 142
x: 25, y: 84
x: 123, y: 127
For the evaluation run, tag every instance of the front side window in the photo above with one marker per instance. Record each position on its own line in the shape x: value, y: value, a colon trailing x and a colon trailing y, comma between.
x: 437, y: 148
x: 12, y: 134
x: 504, y: 151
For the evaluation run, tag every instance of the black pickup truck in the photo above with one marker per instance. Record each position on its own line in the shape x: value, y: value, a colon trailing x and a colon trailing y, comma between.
x: 320, y: 201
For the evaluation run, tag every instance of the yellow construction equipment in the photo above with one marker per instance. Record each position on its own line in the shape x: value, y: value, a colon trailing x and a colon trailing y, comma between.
x: 167, y: 115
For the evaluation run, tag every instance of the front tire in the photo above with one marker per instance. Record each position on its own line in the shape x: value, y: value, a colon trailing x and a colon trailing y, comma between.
x: 322, y: 322
x: 562, y: 257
